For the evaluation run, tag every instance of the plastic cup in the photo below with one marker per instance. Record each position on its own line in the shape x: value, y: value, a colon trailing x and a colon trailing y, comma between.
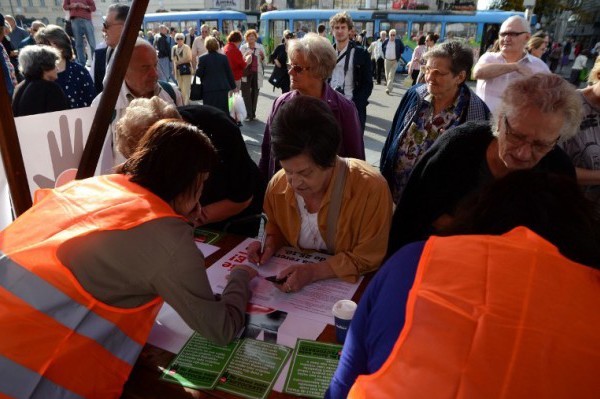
x: 343, y: 311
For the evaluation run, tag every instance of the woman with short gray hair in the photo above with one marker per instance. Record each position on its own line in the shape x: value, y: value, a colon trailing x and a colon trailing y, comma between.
x: 38, y: 93
x: 181, y: 54
x: 311, y: 62
x: 73, y: 78
x: 428, y: 110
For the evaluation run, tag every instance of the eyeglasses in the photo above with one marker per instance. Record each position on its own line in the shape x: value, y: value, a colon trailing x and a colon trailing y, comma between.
x: 106, y: 26
x: 519, y: 140
x: 297, y: 68
x: 510, y: 34
x: 434, y: 72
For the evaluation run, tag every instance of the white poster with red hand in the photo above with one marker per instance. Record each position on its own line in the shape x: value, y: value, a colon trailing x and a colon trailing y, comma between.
x: 52, y: 145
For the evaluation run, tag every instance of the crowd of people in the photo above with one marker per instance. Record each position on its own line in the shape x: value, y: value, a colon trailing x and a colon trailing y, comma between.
x: 483, y: 213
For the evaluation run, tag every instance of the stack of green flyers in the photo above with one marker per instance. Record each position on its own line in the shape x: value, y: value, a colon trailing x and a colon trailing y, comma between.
x: 312, y: 368
x: 247, y: 367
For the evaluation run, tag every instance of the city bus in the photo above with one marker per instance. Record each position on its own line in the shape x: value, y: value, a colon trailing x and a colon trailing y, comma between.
x: 225, y: 21
x: 478, y: 28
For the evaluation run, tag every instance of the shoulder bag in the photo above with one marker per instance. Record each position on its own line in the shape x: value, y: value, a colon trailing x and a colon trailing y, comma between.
x: 335, y: 203
x: 195, y: 90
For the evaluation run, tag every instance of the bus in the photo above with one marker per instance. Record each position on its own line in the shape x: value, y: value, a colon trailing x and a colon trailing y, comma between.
x: 478, y: 28
x: 225, y: 21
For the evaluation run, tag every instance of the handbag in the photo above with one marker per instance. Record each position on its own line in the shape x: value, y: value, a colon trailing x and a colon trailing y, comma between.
x: 184, y: 69
x: 276, y: 77
x: 195, y: 90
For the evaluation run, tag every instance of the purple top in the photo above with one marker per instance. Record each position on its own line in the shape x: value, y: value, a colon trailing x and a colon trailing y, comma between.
x: 345, y: 113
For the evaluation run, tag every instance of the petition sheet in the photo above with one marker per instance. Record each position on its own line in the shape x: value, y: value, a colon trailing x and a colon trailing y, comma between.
x: 314, y: 301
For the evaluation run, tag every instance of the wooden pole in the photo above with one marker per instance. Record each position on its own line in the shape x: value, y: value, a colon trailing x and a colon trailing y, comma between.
x: 12, y: 158
x: 103, y: 117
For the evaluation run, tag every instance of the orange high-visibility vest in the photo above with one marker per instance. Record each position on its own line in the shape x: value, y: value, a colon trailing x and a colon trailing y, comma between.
x: 495, y: 317
x: 56, y: 340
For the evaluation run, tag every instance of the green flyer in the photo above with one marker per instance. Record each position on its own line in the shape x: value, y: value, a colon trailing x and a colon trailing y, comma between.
x: 200, y: 363
x: 312, y: 368
x: 253, y: 369
x: 207, y: 236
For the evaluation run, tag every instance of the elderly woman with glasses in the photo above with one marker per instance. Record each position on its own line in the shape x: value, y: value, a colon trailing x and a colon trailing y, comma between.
x: 427, y: 111
x: 534, y: 114
x: 181, y: 54
x: 320, y: 201
x: 311, y: 62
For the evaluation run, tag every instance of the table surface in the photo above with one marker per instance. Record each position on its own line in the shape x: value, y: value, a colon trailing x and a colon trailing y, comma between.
x: 144, y: 381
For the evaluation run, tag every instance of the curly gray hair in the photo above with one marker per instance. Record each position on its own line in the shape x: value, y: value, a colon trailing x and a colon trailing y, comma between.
x: 37, y: 59
x: 547, y: 92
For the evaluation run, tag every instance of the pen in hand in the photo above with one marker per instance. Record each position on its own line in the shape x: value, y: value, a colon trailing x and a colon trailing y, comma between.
x: 263, y: 239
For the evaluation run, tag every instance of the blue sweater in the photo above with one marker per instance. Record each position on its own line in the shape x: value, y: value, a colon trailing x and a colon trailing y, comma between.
x: 378, y: 320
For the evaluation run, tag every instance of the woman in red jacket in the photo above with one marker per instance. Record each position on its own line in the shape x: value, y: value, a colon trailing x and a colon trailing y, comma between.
x: 234, y: 55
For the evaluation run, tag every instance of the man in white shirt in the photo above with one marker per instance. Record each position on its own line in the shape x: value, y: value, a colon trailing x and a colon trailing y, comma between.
x: 352, y: 75
x: 198, y: 46
x: 141, y: 80
x: 494, y: 71
x: 379, y: 56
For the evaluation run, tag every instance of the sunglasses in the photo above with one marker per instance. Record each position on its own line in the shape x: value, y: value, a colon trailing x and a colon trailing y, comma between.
x: 510, y: 34
x: 179, y: 38
x: 297, y: 68
x: 106, y: 26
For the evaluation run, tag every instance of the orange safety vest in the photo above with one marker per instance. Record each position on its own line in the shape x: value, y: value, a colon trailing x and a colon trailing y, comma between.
x: 495, y: 317
x: 57, y: 340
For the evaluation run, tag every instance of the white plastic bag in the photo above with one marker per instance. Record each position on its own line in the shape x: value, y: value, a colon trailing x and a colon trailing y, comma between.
x: 238, y: 110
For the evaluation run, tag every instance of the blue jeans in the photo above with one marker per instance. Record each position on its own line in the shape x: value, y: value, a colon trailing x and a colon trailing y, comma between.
x: 82, y: 26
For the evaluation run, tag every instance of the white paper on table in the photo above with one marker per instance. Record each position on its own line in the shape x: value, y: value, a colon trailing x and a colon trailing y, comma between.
x: 314, y: 301
x: 169, y: 331
x: 206, y: 249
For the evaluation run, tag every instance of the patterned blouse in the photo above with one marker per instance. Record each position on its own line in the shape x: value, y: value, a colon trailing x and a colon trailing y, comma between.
x: 77, y: 84
x: 422, y: 133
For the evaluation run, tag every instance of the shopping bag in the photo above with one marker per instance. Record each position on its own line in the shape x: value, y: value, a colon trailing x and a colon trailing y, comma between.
x: 584, y: 74
x: 407, y: 82
x: 237, y: 108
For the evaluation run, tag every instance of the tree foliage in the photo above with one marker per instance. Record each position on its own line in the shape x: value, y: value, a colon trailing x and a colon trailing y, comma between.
x: 507, y: 5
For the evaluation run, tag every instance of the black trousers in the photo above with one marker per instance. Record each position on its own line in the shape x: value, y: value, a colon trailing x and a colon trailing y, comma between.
x: 380, y: 71
x: 250, y: 94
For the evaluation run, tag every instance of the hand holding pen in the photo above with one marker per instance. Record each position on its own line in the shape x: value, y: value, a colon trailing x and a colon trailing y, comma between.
x: 259, y: 252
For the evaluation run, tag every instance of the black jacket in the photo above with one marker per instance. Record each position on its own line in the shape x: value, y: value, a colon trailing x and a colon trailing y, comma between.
x: 215, y: 72
x: 362, y: 75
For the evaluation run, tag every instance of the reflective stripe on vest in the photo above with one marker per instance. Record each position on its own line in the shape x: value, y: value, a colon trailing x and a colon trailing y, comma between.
x: 494, y: 317
x: 55, y: 335
x: 15, y: 378
x: 47, y: 299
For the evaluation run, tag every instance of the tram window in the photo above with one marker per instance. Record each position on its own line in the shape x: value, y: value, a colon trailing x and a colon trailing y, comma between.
x: 400, y: 26
x: 211, y: 23
x: 423, y: 28
x: 463, y: 31
x: 369, y: 26
x: 308, y: 25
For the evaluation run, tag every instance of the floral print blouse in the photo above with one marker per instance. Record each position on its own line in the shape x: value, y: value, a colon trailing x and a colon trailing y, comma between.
x: 422, y: 133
